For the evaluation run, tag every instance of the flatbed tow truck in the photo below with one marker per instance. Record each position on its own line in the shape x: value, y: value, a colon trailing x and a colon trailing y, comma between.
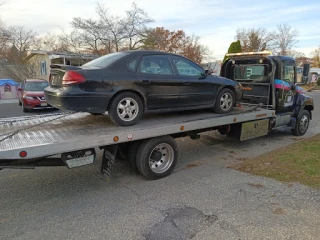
x: 271, y: 100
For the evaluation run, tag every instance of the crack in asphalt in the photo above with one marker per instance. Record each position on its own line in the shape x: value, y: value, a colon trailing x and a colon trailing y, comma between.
x: 180, y: 223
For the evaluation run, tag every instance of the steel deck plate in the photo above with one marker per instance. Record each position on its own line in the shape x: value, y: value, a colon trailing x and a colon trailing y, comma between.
x: 46, y: 135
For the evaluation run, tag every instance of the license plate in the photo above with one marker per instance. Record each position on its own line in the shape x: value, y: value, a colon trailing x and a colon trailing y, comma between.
x: 44, y: 104
x: 81, y: 161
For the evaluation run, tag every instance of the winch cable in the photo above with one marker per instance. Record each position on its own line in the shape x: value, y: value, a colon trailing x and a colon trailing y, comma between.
x: 11, y: 134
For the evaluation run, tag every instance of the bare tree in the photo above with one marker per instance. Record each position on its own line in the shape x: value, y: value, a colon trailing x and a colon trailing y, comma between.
x: 22, y: 39
x: 284, y: 39
x: 52, y: 42
x: 253, y: 40
x: 5, y: 37
x: 295, y: 54
x: 135, y: 25
x: 89, y: 32
x: 111, y: 33
x: 316, y: 57
x: 112, y: 29
x: 194, y: 50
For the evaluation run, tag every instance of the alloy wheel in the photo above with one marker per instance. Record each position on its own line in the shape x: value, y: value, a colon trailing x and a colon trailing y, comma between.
x: 304, y: 122
x: 226, y: 101
x: 127, y: 109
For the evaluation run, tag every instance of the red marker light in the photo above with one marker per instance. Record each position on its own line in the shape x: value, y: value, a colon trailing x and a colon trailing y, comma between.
x: 23, y: 154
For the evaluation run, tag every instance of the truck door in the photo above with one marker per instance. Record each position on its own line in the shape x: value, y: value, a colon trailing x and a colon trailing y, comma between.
x: 285, y: 86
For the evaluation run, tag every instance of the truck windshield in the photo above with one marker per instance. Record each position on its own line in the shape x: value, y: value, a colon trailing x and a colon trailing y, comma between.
x: 36, y: 86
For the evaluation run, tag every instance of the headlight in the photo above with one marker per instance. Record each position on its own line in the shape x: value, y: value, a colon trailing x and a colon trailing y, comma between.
x: 28, y: 97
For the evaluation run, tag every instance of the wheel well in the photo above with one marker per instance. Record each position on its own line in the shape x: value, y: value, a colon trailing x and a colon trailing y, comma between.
x: 133, y: 91
x: 309, y: 108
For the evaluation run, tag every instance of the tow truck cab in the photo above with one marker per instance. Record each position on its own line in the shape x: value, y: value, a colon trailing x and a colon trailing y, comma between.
x: 272, y: 82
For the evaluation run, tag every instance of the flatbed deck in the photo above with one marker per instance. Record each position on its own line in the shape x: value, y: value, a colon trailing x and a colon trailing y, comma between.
x: 51, y: 134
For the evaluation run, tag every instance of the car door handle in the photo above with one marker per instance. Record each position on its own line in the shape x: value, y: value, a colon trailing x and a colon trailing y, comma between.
x: 145, y: 81
x: 186, y: 83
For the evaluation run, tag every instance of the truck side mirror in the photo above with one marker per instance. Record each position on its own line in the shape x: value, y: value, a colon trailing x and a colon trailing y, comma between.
x: 306, y: 69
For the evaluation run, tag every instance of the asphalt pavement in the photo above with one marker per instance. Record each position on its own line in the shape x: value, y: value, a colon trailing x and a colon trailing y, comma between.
x: 202, y: 199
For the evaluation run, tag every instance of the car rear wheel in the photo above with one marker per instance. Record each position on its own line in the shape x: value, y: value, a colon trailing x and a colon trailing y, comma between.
x: 126, y: 109
x: 225, y: 101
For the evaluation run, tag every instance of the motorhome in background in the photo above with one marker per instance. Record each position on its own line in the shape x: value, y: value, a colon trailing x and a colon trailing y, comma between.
x: 315, y: 74
x: 214, y: 67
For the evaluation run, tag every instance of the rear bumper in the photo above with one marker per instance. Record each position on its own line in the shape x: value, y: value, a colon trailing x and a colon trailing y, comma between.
x: 74, y: 99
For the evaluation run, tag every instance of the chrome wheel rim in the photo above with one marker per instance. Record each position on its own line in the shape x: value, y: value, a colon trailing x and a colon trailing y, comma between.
x: 226, y: 101
x: 161, y: 158
x: 304, y: 122
x: 128, y: 109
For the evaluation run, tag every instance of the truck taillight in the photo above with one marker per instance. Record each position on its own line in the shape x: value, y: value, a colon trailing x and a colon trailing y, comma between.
x: 71, y: 77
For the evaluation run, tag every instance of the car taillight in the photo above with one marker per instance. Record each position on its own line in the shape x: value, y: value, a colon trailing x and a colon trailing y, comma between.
x: 71, y: 77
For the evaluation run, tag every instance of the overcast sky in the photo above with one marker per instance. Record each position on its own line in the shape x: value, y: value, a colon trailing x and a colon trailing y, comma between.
x: 215, y: 21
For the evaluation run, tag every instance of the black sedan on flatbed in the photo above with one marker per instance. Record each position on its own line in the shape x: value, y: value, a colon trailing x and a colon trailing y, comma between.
x: 130, y: 82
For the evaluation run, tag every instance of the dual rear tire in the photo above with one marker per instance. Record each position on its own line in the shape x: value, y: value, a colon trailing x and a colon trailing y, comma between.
x: 154, y: 158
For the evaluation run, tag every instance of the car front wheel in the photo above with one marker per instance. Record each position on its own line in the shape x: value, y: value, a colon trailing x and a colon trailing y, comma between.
x: 126, y: 109
x: 225, y: 101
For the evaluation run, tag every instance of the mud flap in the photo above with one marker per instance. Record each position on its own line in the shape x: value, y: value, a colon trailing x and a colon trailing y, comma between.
x: 108, y: 159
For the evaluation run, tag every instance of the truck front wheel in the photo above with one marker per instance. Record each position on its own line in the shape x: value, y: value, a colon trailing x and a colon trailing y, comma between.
x: 302, y: 123
x: 157, y: 157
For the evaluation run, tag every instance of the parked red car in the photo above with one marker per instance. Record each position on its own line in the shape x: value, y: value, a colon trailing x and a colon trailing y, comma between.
x: 31, y: 94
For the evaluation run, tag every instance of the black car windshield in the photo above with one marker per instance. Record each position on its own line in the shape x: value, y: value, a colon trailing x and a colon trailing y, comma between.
x: 106, y: 60
x: 35, y: 86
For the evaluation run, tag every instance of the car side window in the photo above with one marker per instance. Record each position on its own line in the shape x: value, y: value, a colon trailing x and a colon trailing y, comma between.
x: 133, y: 64
x: 155, y: 64
x: 186, y: 67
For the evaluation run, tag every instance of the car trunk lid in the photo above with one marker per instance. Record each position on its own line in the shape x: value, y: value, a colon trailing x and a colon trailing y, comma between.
x: 58, y: 72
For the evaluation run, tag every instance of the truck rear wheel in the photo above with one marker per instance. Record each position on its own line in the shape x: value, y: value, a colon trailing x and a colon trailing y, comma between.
x: 157, y: 157
x: 302, y: 123
x: 132, y: 154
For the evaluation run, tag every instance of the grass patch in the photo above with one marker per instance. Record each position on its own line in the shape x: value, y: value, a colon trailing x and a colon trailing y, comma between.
x: 310, y: 86
x: 299, y: 162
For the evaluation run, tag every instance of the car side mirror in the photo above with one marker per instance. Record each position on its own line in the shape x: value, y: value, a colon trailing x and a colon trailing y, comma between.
x: 208, y: 72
